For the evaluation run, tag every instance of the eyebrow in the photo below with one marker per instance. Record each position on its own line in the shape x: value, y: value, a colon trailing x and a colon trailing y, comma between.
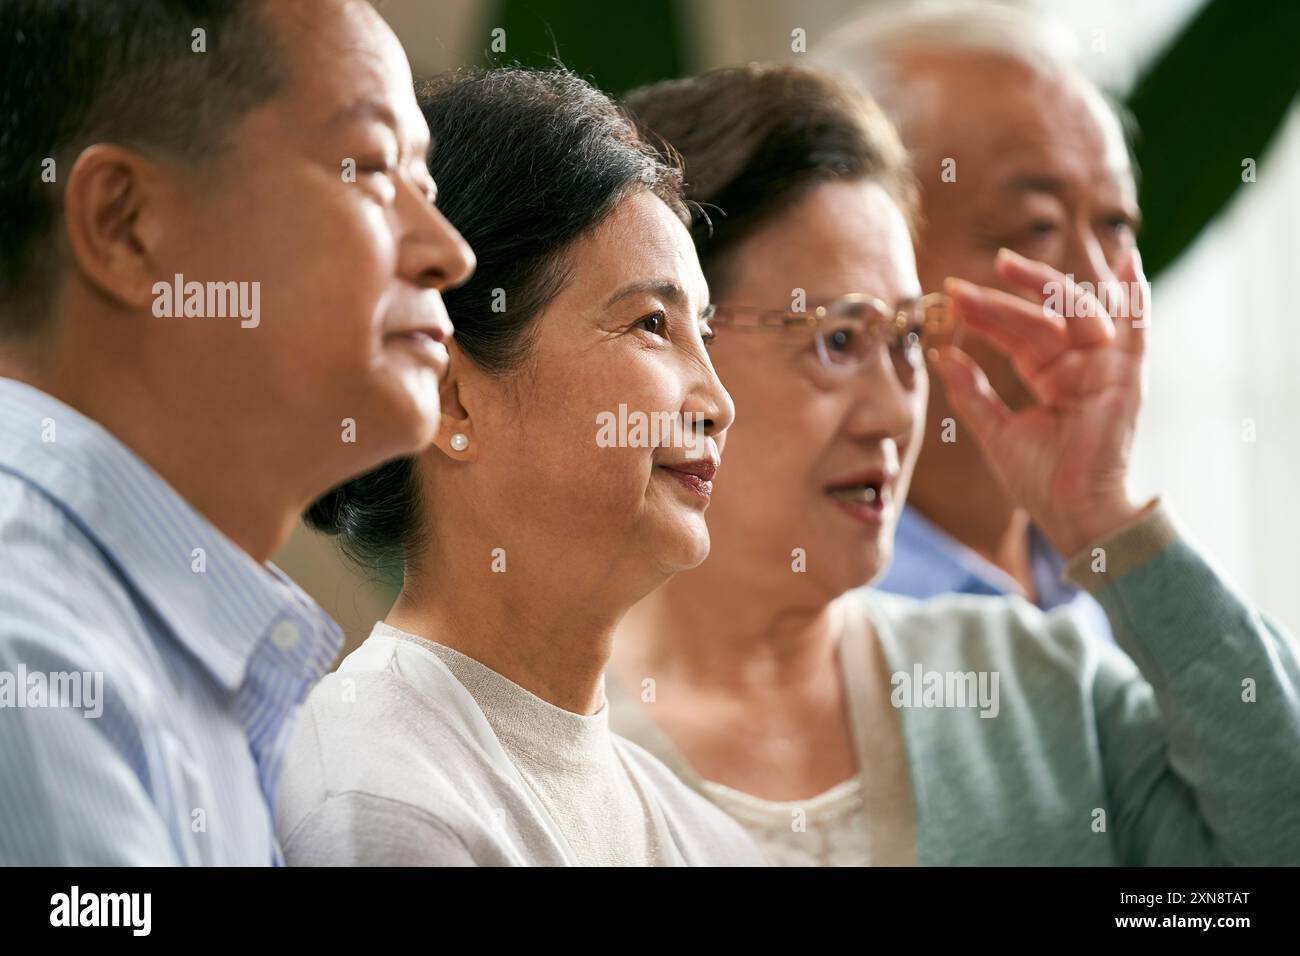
x: 370, y: 109
x: 1033, y: 183
x: 365, y: 110
x: 666, y: 289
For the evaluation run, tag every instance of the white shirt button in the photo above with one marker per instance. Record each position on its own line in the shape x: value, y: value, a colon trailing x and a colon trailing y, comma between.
x: 286, y: 635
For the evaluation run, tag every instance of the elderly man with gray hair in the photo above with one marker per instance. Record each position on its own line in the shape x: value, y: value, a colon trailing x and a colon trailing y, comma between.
x: 1013, y: 147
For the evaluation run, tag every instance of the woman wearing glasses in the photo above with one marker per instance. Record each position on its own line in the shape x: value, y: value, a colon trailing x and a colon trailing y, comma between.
x: 844, y: 726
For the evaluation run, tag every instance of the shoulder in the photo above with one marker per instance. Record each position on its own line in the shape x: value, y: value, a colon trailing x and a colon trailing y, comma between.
x: 357, y: 828
x: 705, y: 834
x: 375, y: 755
x: 65, y: 611
x: 83, y: 696
x: 50, y: 568
x: 1005, y: 634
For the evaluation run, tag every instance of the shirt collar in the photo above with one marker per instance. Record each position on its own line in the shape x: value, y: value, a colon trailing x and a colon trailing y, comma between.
x: 217, y: 601
x: 928, y: 561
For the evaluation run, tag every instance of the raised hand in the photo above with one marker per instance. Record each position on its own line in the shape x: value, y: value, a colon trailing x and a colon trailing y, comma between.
x: 1066, y: 459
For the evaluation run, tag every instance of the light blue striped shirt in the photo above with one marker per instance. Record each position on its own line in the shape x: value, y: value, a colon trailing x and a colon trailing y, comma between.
x: 202, y: 656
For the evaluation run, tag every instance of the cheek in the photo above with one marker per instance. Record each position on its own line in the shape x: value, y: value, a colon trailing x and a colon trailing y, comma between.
x: 782, y: 428
x: 649, y: 383
x: 338, y: 258
x: 920, y: 411
x: 545, y: 449
x: 920, y: 403
x: 356, y: 274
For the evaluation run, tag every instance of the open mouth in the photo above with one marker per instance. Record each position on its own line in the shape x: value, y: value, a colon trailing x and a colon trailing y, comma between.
x: 867, y: 493
x: 866, y: 500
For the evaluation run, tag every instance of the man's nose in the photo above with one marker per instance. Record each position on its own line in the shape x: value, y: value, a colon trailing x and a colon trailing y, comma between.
x: 1085, y: 257
x: 434, y: 254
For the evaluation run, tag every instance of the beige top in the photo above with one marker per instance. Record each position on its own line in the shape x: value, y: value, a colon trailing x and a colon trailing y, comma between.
x: 414, y: 754
x: 567, y: 760
x: 829, y: 829
x: 867, y: 820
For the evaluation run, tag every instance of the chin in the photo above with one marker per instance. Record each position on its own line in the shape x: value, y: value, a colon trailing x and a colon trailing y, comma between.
x: 684, y: 546
x: 413, y: 416
x: 877, y: 556
x: 864, y: 565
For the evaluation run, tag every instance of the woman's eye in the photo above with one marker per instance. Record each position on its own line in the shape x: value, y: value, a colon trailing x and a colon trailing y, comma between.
x: 655, y: 323
x: 909, y: 342
x: 708, y: 335
x: 841, y: 339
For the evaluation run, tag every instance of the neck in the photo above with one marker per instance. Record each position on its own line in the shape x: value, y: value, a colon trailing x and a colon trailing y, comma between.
x: 209, y: 453
x: 709, y: 629
x: 551, y: 638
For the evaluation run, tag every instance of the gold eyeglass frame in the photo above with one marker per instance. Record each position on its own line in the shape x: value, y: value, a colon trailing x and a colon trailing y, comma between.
x: 937, y: 320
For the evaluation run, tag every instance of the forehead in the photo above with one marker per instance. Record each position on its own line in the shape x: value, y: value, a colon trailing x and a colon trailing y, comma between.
x: 1005, y: 121
x: 641, y: 237
x: 345, y: 59
x: 841, y: 236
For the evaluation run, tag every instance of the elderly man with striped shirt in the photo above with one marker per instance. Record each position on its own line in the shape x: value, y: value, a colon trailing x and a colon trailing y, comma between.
x: 151, y: 460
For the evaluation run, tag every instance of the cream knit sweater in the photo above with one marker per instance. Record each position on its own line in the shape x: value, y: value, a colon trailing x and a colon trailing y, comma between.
x: 414, y: 754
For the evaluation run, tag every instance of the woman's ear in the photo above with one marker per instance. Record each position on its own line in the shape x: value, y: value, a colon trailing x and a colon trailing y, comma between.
x: 456, y: 424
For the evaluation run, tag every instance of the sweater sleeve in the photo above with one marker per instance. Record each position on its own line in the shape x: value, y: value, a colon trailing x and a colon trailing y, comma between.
x: 1202, y: 759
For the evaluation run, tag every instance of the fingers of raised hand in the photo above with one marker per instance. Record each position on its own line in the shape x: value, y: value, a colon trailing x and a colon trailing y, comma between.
x: 972, y: 395
x: 1087, y: 320
x: 1132, y: 316
x: 1029, y: 334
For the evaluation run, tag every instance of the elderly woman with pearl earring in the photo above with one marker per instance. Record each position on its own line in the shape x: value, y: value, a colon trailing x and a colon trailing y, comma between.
x: 471, y: 727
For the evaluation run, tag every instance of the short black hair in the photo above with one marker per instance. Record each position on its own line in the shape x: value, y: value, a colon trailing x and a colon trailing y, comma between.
x: 77, y: 72
x: 754, y: 139
x: 527, y: 162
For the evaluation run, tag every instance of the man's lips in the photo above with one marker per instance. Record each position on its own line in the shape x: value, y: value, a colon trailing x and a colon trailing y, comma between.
x: 427, y: 344
x: 424, y: 325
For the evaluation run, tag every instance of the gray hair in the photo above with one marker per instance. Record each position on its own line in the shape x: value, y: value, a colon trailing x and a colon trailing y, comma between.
x: 872, y: 47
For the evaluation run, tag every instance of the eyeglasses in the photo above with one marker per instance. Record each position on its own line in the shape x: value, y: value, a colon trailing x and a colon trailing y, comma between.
x: 847, y: 332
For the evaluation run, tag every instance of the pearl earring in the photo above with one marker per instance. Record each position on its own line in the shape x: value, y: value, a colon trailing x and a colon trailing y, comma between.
x: 459, y: 442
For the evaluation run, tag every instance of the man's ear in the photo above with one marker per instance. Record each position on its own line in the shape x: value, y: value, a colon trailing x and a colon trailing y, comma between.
x: 110, y: 203
x: 456, y: 438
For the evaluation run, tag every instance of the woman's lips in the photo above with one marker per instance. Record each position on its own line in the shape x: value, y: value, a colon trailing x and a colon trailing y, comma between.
x: 866, y: 498
x: 867, y: 512
x: 695, y: 476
